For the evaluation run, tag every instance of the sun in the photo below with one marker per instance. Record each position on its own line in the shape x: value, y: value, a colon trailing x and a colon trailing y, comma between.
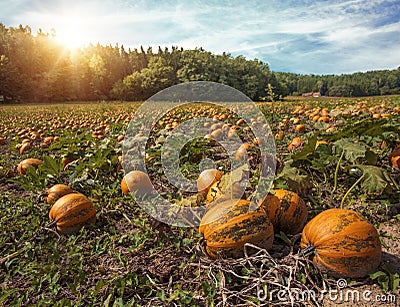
x: 73, y: 31
x: 70, y: 38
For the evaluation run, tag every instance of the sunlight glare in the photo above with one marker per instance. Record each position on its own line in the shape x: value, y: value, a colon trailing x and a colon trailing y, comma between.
x: 73, y: 31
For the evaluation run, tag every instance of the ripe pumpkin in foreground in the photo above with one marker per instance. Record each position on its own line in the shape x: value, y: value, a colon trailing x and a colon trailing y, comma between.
x: 136, y: 181
x: 228, y: 225
x: 71, y: 212
x: 24, y: 164
x: 286, y: 211
x: 57, y: 191
x: 343, y: 243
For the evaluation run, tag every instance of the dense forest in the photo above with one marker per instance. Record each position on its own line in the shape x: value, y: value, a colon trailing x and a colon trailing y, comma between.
x: 36, y: 68
x: 371, y: 83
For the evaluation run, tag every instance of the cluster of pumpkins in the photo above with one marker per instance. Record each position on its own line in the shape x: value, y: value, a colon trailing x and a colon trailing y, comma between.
x: 341, y: 242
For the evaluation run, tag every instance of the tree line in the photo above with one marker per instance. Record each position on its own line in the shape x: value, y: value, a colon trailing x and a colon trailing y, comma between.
x: 370, y: 83
x: 37, y: 68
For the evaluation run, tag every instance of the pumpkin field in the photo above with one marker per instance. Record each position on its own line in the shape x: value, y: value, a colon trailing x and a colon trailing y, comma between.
x: 73, y: 234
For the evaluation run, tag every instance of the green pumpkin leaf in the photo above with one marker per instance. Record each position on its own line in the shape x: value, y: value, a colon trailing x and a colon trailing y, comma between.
x: 371, y: 157
x: 377, y: 274
x: 352, y: 150
x: 296, y: 181
x: 365, y: 127
x: 51, y: 166
x: 375, y: 178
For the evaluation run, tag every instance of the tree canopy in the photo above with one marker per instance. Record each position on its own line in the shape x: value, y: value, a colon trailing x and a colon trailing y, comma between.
x: 36, y: 68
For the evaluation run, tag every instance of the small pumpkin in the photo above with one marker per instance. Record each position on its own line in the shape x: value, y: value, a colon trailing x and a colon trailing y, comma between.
x: 242, y: 151
x: 395, y: 158
x: 216, y: 134
x: 206, y: 179
x: 57, y: 191
x: 24, y: 148
x: 300, y: 128
x: 280, y: 135
x: 71, y: 212
x: 286, y: 211
x: 295, y: 143
x: 343, y: 243
x: 24, y: 164
x: 136, y: 181
x: 228, y: 225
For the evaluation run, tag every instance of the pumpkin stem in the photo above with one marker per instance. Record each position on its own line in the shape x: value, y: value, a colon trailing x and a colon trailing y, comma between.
x: 337, y: 172
x: 51, y: 224
x: 308, y: 251
x: 350, y: 189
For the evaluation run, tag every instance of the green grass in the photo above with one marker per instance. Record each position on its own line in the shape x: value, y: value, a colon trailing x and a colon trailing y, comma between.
x: 125, y: 258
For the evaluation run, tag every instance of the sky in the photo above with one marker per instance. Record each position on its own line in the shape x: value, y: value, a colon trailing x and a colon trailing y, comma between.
x: 300, y: 36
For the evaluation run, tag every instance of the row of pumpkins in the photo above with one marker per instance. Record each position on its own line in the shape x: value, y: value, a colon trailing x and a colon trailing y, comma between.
x: 341, y: 242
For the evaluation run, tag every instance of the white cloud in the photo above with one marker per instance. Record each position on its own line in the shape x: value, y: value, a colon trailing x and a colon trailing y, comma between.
x: 300, y: 36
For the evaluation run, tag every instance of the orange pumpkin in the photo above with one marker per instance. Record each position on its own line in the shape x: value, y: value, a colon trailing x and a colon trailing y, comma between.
x: 286, y: 211
x: 23, y: 165
x: 228, y: 225
x: 295, y: 143
x: 318, y: 143
x: 206, y: 179
x: 71, y: 212
x: 136, y: 181
x: 242, y: 151
x: 342, y: 243
x: 395, y: 159
x: 57, y: 191
x: 24, y: 147
x: 300, y: 128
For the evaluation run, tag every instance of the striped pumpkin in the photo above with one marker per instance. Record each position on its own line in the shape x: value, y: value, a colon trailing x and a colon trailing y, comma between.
x: 342, y: 243
x: 228, y: 225
x: 286, y: 211
x: 57, y: 191
x: 24, y: 164
x: 71, y: 212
